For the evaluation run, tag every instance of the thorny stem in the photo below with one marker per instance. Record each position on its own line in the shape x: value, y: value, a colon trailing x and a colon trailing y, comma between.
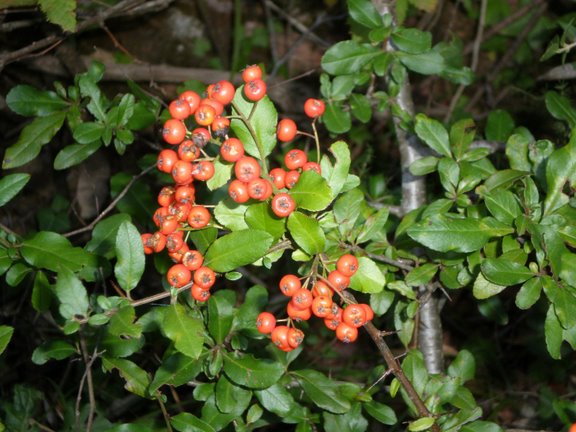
x: 254, y: 137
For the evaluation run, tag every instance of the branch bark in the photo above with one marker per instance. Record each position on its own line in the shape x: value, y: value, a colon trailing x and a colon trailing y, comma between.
x: 413, y: 197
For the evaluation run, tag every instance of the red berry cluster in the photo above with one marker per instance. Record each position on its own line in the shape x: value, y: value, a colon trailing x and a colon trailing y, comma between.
x: 317, y: 301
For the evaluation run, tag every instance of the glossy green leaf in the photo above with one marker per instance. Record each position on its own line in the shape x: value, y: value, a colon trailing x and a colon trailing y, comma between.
x: 42, y: 292
x: 336, y: 118
x: 560, y: 168
x: 503, y: 205
x: 202, y: 239
x: 60, y: 12
x: 463, y: 366
x: 129, y: 267
x: 186, y: 422
x: 461, y: 136
x: 434, y: 134
x: 176, y: 370
x: 137, y: 380
x: 32, y: 102
x: 88, y: 132
x: 373, y: 226
x: 237, y: 249
x: 427, y: 63
x: 560, y: 108
x: 564, y: 300
x: 34, y: 135
x: 72, y: 295
x: 422, y: 424
x: 443, y: 233
x: 499, y: 126
x: 352, y: 421
x: 360, y: 107
x: 424, y: 165
x: 231, y: 398
x: 311, y: 192
x: 221, y: 314
x: 364, y: 13
x: 306, y: 232
x: 504, y: 178
x: 74, y: 154
x: 276, y: 399
x: 260, y: 217
x: 11, y: 185
x: 322, y: 390
x: 553, y: 333
x: 517, y: 149
x: 122, y: 323
x: 529, y: 293
x: 251, y: 372
x: 421, y: 275
x: 255, y: 300
x: 216, y: 418
x: 483, y: 288
x: 481, y: 426
x: 348, y: 57
x: 52, y: 350
x: 336, y: 174
x: 16, y: 273
x: 412, y: 40
x: 263, y: 122
x: 222, y: 173
x: 5, y: 336
x: 347, y: 209
x: 184, y: 330
x: 368, y: 278
x: 231, y: 214
x: 383, y: 413
x: 504, y: 272
x: 103, y: 241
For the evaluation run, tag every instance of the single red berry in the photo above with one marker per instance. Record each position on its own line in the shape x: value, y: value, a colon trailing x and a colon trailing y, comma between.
x: 160, y: 214
x: 174, y: 131
x: 232, y: 149
x: 188, y: 151
x: 203, y: 170
x: 250, y: 73
x: 182, y: 172
x: 295, y: 159
x: 176, y: 256
x: 174, y: 241
x: 218, y: 107
x: 369, y: 311
x: 166, y: 196
x: 238, y: 191
x: 312, y: 166
x: 347, y: 264
x: 223, y: 92
x: 322, y: 289
x: 200, y: 137
x: 354, y: 315
x: 166, y: 160
x: 314, y: 108
x: 346, y: 333
x: 179, y: 109
x: 220, y: 126
x: 302, y: 298
x: 286, y: 130
x: 180, y: 211
x: 192, y: 98
x: 279, y: 337
x: 266, y: 322
x: 199, y: 217
x: 192, y: 259
x: 178, y: 275
x: 247, y: 168
x: 291, y: 178
x: 205, y: 115
x: 199, y: 294
x: 283, y: 205
x: 185, y: 194
x: 255, y: 90
x: 146, y: 243
x: 295, y: 337
x: 204, y: 277
x: 338, y: 281
x: 168, y: 225
x: 278, y: 176
x: 321, y: 306
x: 298, y: 314
x: 259, y: 189
x: 289, y: 284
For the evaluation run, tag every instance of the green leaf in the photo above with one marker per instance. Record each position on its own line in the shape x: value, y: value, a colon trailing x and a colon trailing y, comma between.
x: 463, y: 366
x: 482, y: 426
x: 41, y: 292
x: 336, y: 118
x: 311, y: 192
x: 186, y: 422
x: 306, y: 232
x: 202, y: 239
x: 553, y: 333
x: 342, y: 86
x: 499, y: 126
x: 422, y: 424
x: 129, y: 267
x: 11, y: 185
x: 564, y: 300
x: 184, y: 330
x: 222, y: 173
x: 412, y: 40
x: 361, y: 108
x: 74, y: 154
x: 504, y: 178
x: 529, y: 293
x: 34, y: 135
x: 517, y: 149
x: 53, y: 349
x: 260, y: 217
x: 428, y: 63
x: 137, y: 380
x: 31, y: 102
x: 103, y: 241
x: 237, y: 249
x: 323, y: 391
x: 383, y: 413
x: 336, y: 175
x: 433, y: 133
x: 5, y: 336
x: 368, y: 278
x: 461, y: 136
x: 122, y: 323
x: 421, y: 275
x: 255, y: 301
x: 560, y: 108
x: 444, y: 233
x: 276, y: 399
x: 424, y: 165
x: 348, y: 57
x: 231, y: 398
x: 231, y: 214
x: 364, y: 13
x: 176, y: 370
x: 503, y: 205
x: 250, y: 372
x: 88, y: 132
x: 263, y: 122
x: 221, y: 314
x: 60, y: 12
x: 560, y: 168
x: 352, y: 421
x: 72, y: 295
x: 347, y: 209
x: 373, y: 226
x: 484, y: 289
x: 504, y: 272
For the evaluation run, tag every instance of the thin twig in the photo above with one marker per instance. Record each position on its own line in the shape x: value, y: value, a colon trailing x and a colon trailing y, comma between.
x: 111, y: 205
x: 86, y: 378
x: 401, y: 264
